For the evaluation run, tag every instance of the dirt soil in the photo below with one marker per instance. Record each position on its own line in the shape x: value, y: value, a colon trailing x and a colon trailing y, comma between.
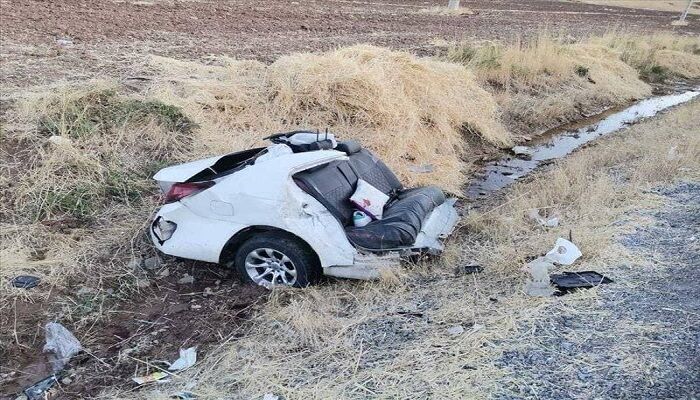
x: 44, y: 41
x: 130, y: 334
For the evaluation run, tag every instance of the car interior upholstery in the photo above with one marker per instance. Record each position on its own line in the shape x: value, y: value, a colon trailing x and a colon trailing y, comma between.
x: 333, y: 183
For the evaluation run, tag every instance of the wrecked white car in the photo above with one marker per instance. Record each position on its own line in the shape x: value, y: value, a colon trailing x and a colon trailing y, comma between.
x: 282, y: 215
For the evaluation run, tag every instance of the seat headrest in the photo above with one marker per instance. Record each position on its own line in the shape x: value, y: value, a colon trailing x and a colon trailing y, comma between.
x: 348, y: 147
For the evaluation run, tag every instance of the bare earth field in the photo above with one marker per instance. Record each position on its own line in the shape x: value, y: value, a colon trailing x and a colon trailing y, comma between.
x: 110, y: 37
x: 636, y: 338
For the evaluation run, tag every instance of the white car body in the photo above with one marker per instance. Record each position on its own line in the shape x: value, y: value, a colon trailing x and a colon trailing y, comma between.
x: 264, y: 196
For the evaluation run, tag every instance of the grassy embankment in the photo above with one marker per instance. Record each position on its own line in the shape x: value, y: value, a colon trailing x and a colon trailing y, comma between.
x: 390, y: 339
x: 76, y: 162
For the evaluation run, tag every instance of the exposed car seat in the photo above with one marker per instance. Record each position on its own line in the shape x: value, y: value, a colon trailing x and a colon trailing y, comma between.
x: 332, y: 184
x: 401, y: 222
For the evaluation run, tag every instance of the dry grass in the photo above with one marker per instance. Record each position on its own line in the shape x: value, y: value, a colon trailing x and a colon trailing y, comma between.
x: 546, y: 82
x: 358, y: 340
x: 410, y: 110
x: 656, y: 57
x: 82, y: 175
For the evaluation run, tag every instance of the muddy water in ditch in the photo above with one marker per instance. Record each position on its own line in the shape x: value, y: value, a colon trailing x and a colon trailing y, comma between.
x: 501, y: 173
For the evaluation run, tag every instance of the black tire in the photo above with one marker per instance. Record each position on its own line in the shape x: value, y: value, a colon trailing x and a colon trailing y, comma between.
x: 303, y: 259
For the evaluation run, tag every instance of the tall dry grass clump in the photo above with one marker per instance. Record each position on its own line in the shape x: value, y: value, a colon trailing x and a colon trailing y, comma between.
x: 658, y: 56
x: 545, y: 82
x: 81, y: 183
x: 409, y: 110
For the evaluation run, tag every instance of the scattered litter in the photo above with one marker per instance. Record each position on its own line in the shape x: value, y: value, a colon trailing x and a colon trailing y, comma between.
x: 184, y: 395
x: 59, y: 140
x: 64, y: 42
x: 186, y: 279
x: 539, y: 285
x: 456, y: 330
x: 154, y: 377
x: 411, y: 313
x: 523, y: 151
x: 535, y: 215
x: 564, y: 252
x: 60, y: 344
x: 421, y: 169
x: 25, y: 281
x: 270, y: 396
x: 135, y: 263
x: 187, y: 359
x: 569, y: 281
x: 164, y: 273
x: 66, y: 381
x: 143, y: 283
x: 470, y: 269
x: 152, y: 263
x: 37, y: 390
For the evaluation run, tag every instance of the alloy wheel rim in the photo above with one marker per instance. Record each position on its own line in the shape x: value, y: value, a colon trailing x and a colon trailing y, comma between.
x: 269, y: 267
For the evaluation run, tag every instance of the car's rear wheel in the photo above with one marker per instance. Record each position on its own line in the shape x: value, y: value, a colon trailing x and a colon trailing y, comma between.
x: 275, y: 259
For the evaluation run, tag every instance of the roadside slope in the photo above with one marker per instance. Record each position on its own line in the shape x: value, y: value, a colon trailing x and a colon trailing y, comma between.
x: 392, y: 338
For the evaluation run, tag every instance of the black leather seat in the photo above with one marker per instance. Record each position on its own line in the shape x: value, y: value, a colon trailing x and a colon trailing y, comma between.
x: 402, y: 220
x: 332, y: 184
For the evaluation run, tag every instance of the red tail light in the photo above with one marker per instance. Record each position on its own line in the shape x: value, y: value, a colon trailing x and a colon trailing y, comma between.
x: 179, y: 191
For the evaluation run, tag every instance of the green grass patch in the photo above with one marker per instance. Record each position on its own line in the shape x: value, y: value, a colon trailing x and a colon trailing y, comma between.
x: 581, y: 71
x: 654, y: 73
x: 100, y: 112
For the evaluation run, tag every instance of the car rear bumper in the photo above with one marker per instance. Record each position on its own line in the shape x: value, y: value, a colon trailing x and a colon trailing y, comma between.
x: 194, y: 237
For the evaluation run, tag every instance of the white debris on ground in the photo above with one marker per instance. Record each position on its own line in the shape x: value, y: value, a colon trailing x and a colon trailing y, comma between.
x: 539, y: 284
x: 522, y: 151
x: 59, y: 140
x: 187, y: 359
x: 536, y: 216
x: 154, y: 377
x: 60, y: 344
x: 456, y: 330
x: 563, y: 253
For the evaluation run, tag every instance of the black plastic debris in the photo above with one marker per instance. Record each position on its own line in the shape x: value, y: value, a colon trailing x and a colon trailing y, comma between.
x: 570, y: 281
x: 469, y: 269
x: 411, y: 313
x: 25, y: 281
x: 37, y: 390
